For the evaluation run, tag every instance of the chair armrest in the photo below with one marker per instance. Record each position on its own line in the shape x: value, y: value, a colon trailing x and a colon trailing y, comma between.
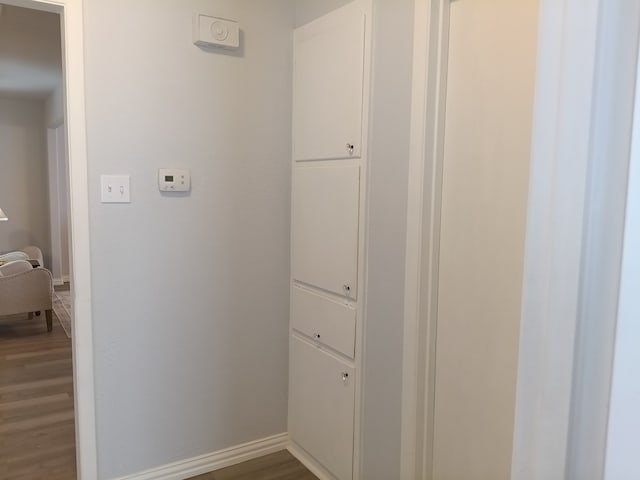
x: 14, y: 267
x: 27, y: 291
x: 33, y: 253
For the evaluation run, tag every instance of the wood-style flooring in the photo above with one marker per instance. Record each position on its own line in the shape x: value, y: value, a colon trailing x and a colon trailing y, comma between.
x: 37, y: 433
x: 277, y: 466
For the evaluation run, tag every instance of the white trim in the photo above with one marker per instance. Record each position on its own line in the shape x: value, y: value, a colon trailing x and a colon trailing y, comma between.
x: 214, y: 461
x: 430, y: 52
x: 82, y: 337
x: 363, y: 245
x: 62, y: 280
x: 309, y: 462
x: 578, y: 176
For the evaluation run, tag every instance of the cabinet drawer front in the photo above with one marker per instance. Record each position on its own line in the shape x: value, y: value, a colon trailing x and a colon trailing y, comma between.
x: 321, y: 407
x: 326, y: 321
x: 325, y: 222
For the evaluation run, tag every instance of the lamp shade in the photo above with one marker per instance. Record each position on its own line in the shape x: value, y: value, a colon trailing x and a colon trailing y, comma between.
x: 3, y: 216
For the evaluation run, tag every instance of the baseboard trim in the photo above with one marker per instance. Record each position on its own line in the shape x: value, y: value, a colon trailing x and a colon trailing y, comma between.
x: 308, y: 461
x: 214, y: 461
x: 58, y: 281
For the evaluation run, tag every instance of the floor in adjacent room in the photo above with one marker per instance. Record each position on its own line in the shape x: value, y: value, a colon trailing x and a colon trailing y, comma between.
x: 37, y: 432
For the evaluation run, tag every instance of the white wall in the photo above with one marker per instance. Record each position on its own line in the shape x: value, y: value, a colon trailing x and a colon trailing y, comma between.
x: 485, y: 183
x: 388, y: 183
x: 624, y: 416
x: 23, y: 176
x: 190, y: 292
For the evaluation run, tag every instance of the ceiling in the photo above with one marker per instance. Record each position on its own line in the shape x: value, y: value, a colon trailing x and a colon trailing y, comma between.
x: 30, y: 53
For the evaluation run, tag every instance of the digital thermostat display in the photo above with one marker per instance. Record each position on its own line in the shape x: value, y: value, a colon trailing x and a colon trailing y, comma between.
x: 174, y: 180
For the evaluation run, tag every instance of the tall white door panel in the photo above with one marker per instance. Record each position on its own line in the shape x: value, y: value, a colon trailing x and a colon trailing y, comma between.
x: 328, y: 86
x: 325, y: 227
x: 321, y: 407
x: 486, y: 151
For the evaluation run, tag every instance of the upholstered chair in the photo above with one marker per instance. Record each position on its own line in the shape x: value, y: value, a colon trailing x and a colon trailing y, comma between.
x: 24, y: 289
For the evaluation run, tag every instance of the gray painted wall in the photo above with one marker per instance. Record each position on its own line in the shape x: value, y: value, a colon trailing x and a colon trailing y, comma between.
x: 54, y: 107
x: 388, y: 184
x: 30, y: 53
x: 23, y: 176
x: 190, y: 292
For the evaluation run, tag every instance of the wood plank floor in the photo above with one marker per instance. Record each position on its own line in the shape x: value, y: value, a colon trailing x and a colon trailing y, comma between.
x: 37, y: 432
x: 277, y: 466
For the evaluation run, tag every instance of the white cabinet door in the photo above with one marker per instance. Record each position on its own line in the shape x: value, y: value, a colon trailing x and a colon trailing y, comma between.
x: 328, y: 322
x: 321, y: 407
x: 328, y: 86
x: 325, y: 227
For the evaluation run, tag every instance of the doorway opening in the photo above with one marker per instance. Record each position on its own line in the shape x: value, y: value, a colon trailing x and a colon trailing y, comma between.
x: 68, y: 148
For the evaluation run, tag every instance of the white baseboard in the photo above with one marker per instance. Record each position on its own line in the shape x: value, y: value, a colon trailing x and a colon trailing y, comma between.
x: 308, y: 461
x: 62, y: 280
x: 214, y: 461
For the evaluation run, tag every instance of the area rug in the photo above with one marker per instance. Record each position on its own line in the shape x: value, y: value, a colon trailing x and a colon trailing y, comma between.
x: 62, y: 308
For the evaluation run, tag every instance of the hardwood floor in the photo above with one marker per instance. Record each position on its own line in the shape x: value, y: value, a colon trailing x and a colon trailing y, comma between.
x: 277, y: 466
x: 37, y: 432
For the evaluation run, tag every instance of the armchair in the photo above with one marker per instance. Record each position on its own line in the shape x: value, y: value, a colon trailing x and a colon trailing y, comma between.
x: 24, y: 289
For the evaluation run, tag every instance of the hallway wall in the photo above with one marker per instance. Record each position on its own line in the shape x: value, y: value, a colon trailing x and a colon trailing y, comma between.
x: 190, y: 292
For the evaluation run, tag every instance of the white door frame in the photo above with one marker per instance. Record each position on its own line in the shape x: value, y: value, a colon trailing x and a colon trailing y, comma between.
x: 580, y: 151
x: 82, y: 341
x: 430, y: 55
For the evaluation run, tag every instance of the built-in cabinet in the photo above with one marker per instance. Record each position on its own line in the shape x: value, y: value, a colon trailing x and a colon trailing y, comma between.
x: 322, y: 409
x: 328, y: 98
x: 327, y: 243
x: 325, y: 213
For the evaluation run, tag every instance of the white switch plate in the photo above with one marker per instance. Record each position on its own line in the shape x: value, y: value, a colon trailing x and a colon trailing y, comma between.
x: 115, y: 189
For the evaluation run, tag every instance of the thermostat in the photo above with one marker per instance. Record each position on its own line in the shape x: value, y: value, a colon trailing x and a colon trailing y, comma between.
x: 173, y: 180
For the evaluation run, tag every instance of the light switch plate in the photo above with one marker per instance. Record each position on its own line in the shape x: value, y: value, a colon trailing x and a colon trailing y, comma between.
x: 115, y: 189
